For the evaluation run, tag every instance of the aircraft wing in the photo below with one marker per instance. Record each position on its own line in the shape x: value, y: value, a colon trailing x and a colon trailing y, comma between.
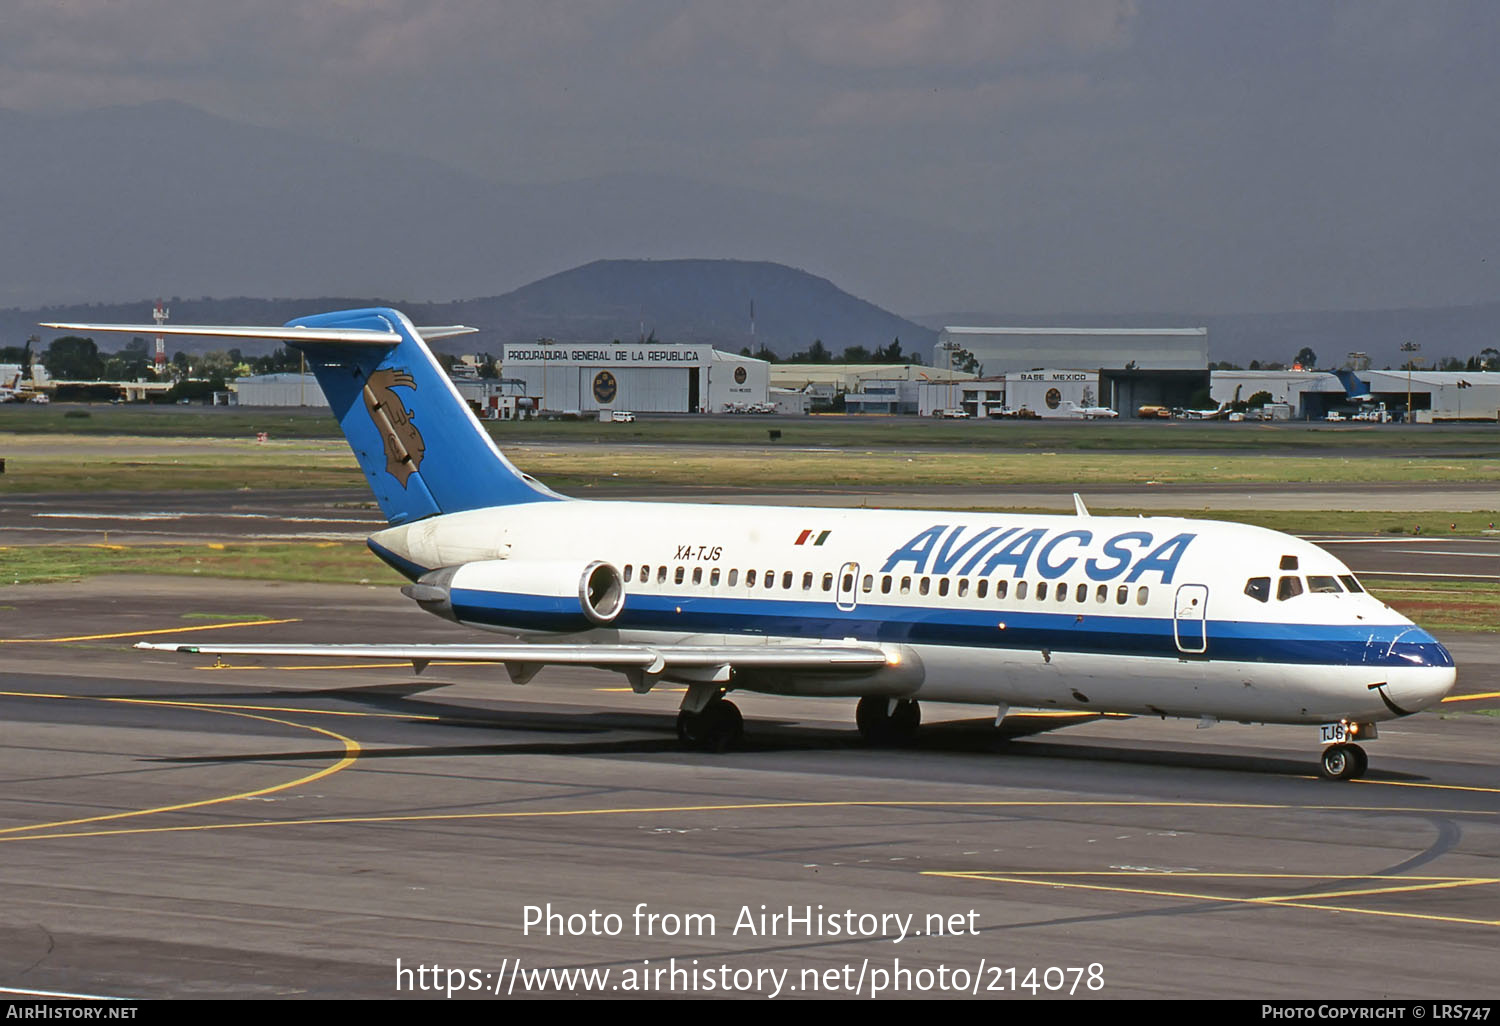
x: 523, y: 660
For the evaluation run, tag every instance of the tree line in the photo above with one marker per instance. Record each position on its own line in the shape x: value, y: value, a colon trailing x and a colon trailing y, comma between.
x: 819, y: 353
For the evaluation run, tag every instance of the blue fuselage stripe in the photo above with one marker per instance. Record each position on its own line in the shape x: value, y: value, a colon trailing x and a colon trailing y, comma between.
x: 1239, y: 641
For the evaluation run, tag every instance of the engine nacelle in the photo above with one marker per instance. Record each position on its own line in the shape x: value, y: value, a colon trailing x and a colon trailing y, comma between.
x: 524, y: 595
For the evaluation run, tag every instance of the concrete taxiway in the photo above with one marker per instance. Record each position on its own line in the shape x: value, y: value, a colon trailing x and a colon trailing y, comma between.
x: 170, y: 827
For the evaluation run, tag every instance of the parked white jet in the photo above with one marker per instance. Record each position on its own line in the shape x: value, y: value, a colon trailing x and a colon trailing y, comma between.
x: 1154, y: 615
x: 1072, y: 409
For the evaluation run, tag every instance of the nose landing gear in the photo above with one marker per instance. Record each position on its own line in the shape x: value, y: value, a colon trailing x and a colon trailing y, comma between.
x: 1344, y: 762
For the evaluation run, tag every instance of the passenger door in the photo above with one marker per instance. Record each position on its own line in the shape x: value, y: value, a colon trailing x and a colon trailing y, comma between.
x: 1190, y: 619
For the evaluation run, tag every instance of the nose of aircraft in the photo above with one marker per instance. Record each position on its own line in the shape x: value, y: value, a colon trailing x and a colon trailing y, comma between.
x: 1429, y: 677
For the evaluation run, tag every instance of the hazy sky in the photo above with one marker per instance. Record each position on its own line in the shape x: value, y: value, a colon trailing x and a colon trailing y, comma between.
x: 1238, y: 156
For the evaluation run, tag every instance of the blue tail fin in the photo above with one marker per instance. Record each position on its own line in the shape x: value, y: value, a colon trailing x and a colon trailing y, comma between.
x: 419, y: 445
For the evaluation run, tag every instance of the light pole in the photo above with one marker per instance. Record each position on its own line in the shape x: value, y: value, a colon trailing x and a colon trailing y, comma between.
x: 1412, y: 348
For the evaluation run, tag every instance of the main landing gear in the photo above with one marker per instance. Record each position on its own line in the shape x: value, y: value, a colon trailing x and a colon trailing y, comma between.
x: 888, y: 721
x: 1344, y: 762
x: 713, y: 728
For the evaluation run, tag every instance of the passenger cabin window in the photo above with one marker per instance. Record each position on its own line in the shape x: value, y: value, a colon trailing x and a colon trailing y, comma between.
x: 1041, y: 590
x: 922, y: 586
x: 1001, y: 588
x: 807, y: 581
x: 1102, y: 594
x: 697, y: 575
x: 769, y: 578
x: 677, y: 577
x: 1259, y: 588
x: 1141, y: 595
x: 1122, y: 594
x: 1320, y: 585
x: 645, y: 573
x: 1020, y: 589
x: 749, y: 578
x: 1062, y: 593
x: 982, y: 588
x: 828, y: 582
x: 906, y: 585
x: 963, y: 587
x: 786, y: 579
x: 848, y: 582
x: 942, y: 586
x: 1287, y: 588
x: 713, y: 578
x: 885, y: 585
x: 1351, y: 583
x: 734, y: 578
x: 628, y: 569
x: 1081, y: 594
x: 661, y: 575
x: 865, y: 586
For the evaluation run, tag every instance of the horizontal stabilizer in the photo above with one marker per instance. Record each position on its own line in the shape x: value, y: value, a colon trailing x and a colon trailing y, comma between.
x: 650, y: 658
x: 366, y: 336
x: 299, y: 333
x: 445, y: 331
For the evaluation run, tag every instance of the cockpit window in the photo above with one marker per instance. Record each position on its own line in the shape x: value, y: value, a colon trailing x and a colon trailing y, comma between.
x: 1323, y: 585
x: 1351, y: 583
x: 1288, y: 587
x: 1259, y: 588
x: 1288, y: 563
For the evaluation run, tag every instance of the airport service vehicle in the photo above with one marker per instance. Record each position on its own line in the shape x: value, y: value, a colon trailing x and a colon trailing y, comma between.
x: 1154, y: 616
x: 953, y: 414
x: 1149, y: 412
x: 622, y: 417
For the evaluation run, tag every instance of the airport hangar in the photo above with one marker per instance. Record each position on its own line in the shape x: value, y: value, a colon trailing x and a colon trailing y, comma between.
x: 1127, y: 367
x: 1312, y: 395
x: 643, y: 377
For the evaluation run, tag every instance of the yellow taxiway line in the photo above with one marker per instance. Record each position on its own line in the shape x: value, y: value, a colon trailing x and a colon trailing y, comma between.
x: 1304, y: 901
x: 352, y: 751
x: 432, y: 817
x: 141, y: 634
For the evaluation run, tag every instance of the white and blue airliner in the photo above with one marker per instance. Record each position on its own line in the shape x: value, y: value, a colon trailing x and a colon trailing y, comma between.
x: 1143, y: 616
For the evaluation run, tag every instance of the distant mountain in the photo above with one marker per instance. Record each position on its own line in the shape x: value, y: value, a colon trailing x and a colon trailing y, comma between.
x: 1459, y: 331
x: 703, y: 301
x: 692, y: 301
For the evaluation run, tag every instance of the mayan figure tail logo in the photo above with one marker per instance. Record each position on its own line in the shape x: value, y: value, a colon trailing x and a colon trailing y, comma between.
x: 404, y: 447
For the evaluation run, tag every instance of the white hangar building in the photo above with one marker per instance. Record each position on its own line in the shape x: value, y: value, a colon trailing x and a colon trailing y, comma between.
x: 643, y: 377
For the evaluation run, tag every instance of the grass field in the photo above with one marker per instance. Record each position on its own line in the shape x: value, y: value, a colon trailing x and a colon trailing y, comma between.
x: 88, y: 463
x: 1442, y: 605
x: 327, y: 562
